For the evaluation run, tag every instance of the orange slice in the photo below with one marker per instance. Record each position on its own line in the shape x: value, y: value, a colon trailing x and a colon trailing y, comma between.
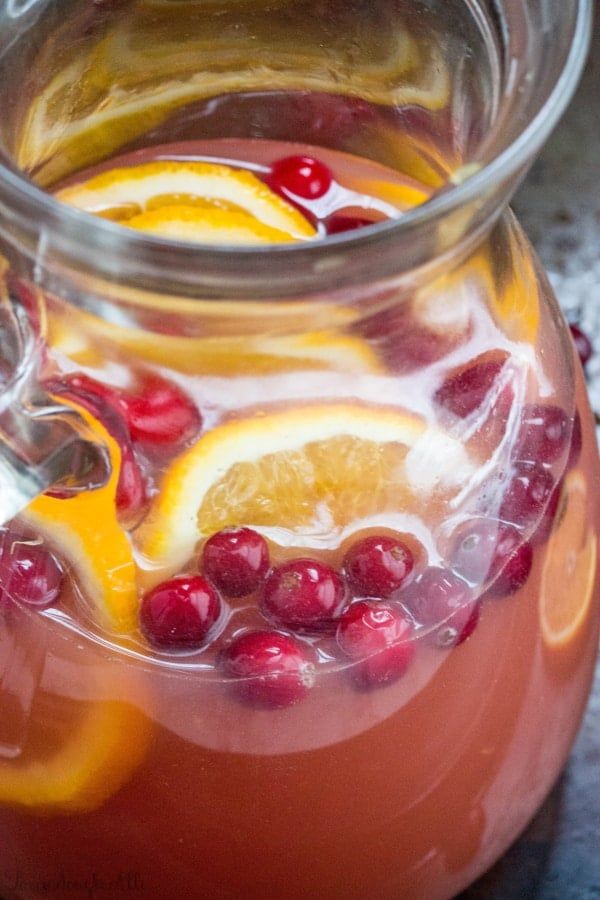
x: 216, y: 226
x: 137, y: 188
x: 81, y: 745
x: 87, y: 534
x: 308, y: 470
x: 89, y: 341
x: 569, y: 577
x: 77, y: 753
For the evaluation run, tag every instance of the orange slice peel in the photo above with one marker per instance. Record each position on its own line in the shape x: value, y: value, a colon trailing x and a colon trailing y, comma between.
x: 198, y: 201
x: 87, y: 534
x: 569, y: 577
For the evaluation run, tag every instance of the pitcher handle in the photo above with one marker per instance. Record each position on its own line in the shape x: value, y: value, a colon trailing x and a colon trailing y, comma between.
x: 43, y: 444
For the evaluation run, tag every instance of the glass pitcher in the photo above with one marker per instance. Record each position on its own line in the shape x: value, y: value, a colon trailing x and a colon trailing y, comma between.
x: 298, y: 545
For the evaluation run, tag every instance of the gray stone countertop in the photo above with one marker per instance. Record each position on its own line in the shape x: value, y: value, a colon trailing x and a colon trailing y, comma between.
x: 558, y: 857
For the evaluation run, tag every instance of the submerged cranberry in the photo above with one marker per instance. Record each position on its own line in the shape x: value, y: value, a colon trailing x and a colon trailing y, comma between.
x: 103, y: 402
x: 464, y: 392
x: 236, y: 560
x: 300, y: 176
x: 78, y: 383
x: 442, y: 601
x: 544, y: 434
x: 29, y: 573
x: 378, y: 637
x: 576, y: 441
x: 338, y: 224
x: 378, y: 566
x: 488, y: 550
x: 544, y: 528
x: 583, y: 345
x: 528, y: 493
x: 28, y: 296
x: 180, y: 613
x: 271, y: 669
x: 160, y: 413
x: 303, y: 593
x: 131, y: 487
x: 403, y: 341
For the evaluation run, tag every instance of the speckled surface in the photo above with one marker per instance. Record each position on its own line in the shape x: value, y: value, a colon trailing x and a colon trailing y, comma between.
x: 558, y: 857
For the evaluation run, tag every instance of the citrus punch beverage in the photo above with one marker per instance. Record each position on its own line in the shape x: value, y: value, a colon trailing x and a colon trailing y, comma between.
x: 312, y: 610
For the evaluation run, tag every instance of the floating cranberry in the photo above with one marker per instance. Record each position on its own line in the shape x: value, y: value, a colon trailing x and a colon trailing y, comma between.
x: 488, y: 550
x: 160, y: 413
x: 528, y: 494
x: 300, y: 176
x: 379, y: 638
x: 378, y: 566
x: 271, y: 669
x: 180, y: 613
x: 29, y: 573
x: 583, y: 345
x: 303, y: 594
x: 462, y: 393
x: 236, y: 560
x: 544, y: 434
x: 338, y: 224
x: 442, y: 601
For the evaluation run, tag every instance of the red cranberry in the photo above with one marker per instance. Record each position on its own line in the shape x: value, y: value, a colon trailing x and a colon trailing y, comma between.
x: 583, y: 345
x: 545, y: 525
x: 131, y: 487
x: 28, y: 296
x: 488, y: 550
x: 303, y: 593
x: 179, y: 613
x: 544, y: 434
x: 103, y: 402
x: 443, y: 601
x: 576, y: 441
x: 78, y: 383
x: 461, y: 394
x: 527, y: 495
x: 161, y: 413
x: 272, y: 669
x: 378, y: 636
x: 236, y: 560
x: 300, y: 176
x: 468, y: 629
x: 29, y: 573
x: 338, y: 224
x: 378, y: 566
x: 404, y: 343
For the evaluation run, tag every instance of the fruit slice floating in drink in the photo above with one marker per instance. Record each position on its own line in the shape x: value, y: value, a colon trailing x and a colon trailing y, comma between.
x: 307, y: 469
x: 79, y: 749
x: 569, y: 576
